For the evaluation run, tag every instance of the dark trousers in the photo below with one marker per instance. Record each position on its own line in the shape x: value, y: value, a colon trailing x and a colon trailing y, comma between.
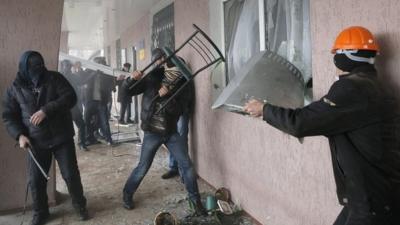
x: 136, y: 109
x: 77, y: 117
x: 66, y: 159
x: 362, y: 215
x: 100, y: 109
x: 125, y: 108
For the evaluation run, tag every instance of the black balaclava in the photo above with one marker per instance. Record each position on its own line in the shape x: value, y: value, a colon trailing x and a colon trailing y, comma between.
x: 31, y: 67
x: 344, y: 63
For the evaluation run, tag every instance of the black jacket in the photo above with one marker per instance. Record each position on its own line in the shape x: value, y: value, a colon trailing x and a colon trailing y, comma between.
x: 122, y: 97
x: 360, y: 121
x: 77, y: 81
x: 56, y: 97
x: 149, y: 87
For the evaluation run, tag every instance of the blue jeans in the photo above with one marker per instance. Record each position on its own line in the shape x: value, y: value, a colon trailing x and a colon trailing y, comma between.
x: 183, y: 130
x: 178, y: 148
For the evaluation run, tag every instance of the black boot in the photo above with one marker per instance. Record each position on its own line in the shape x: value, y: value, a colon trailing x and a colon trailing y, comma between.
x: 127, y: 201
x: 40, y: 218
x: 170, y: 174
x: 82, y: 146
x: 83, y: 213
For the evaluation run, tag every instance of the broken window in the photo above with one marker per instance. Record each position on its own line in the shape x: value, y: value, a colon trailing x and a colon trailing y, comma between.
x: 287, y: 32
x: 268, y: 52
x: 240, y: 46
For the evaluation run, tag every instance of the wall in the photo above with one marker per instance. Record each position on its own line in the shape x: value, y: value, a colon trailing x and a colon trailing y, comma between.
x: 64, y: 42
x: 271, y: 175
x: 135, y: 34
x: 23, y: 25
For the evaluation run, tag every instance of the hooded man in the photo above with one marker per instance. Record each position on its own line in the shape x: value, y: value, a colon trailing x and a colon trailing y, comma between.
x: 359, y: 118
x: 37, y: 114
x: 159, y: 128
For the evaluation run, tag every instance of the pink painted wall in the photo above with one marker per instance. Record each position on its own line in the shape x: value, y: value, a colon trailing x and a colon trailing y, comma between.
x: 64, y: 42
x: 270, y: 174
x: 23, y: 25
x: 136, y: 33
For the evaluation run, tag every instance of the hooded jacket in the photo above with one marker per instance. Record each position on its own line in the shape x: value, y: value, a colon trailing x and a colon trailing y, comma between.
x: 52, y: 94
x: 149, y: 87
x: 360, y: 120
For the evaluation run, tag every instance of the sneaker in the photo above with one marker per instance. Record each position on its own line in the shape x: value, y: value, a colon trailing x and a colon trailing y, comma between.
x: 121, y: 122
x: 40, y: 219
x: 129, y: 121
x: 170, y: 174
x: 127, y: 201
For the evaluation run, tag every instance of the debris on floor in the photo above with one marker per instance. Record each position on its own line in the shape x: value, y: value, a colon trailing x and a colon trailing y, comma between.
x: 104, y: 170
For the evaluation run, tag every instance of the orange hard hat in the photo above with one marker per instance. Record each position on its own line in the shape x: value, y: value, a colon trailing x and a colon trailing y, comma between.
x: 355, y: 38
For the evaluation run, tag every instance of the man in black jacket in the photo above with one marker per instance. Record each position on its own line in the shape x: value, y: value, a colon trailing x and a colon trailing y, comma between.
x: 159, y: 128
x: 125, y: 101
x: 97, y: 97
x: 37, y: 115
x: 76, y: 80
x: 360, y: 120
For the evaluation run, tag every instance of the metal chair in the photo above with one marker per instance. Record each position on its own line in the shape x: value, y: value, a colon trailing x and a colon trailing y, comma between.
x: 202, y: 45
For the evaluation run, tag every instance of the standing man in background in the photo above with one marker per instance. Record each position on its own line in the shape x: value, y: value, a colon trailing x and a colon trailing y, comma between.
x: 125, y: 101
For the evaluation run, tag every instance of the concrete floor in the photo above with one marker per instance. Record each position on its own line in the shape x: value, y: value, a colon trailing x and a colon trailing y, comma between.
x: 104, y: 171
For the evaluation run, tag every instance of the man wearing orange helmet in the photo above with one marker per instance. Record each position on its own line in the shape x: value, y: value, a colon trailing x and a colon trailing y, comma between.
x: 358, y: 117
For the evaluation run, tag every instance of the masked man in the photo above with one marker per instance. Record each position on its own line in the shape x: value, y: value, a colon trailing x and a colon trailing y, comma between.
x: 359, y: 118
x: 37, y: 114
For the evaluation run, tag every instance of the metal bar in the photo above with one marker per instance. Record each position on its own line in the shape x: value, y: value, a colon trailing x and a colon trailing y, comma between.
x: 107, y: 70
x: 205, y: 46
x: 194, y: 47
x: 261, y: 20
x: 173, y: 83
x: 209, y: 40
x: 174, y: 53
x: 186, y: 83
x: 206, y: 66
x: 205, y: 53
x: 37, y: 164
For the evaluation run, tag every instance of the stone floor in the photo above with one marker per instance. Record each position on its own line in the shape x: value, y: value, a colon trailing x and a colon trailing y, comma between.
x: 104, y: 170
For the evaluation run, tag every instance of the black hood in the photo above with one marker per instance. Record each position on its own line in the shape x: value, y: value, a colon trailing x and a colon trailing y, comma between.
x: 27, y: 74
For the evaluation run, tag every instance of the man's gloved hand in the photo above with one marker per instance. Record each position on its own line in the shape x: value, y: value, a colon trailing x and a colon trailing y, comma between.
x: 37, y: 117
x: 23, y: 141
x: 254, y: 108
